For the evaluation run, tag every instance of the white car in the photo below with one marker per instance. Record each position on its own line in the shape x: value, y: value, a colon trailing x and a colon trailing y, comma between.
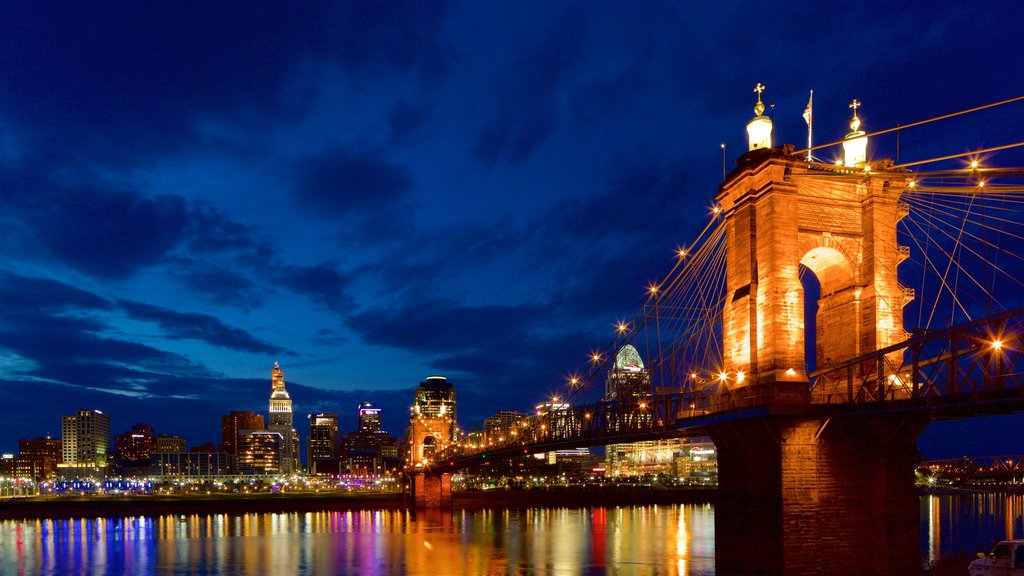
x: 1006, y: 559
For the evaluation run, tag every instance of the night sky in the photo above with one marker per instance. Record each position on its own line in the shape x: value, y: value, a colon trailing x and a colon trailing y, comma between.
x: 375, y: 192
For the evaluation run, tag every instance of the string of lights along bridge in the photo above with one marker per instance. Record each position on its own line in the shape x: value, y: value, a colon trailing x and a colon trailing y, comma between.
x: 835, y: 281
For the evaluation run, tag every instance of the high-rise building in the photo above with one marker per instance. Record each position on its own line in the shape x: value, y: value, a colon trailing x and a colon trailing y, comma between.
x: 46, y: 452
x: 259, y: 452
x: 232, y: 424
x: 629, y: 386
x: 169, y: 444
x: 85, y: 439
x: 322, y: 446
x: 134, y: 448
x: 370, y: 450
x: 369, y: 418
x: 435, y: 398
x: 281, y: 421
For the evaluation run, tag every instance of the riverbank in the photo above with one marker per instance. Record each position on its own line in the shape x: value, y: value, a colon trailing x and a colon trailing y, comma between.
x: 154, y: 505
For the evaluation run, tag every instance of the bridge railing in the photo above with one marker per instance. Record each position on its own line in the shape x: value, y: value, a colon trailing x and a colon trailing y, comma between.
x: 982, y: 357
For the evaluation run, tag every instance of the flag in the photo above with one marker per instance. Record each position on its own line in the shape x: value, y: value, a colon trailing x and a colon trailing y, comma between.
x: 807, y: 110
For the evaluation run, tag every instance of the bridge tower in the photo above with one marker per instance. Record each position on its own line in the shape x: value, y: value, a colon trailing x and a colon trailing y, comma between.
x: 426, y: 436
x: 790, y: 476
x: 839, y: 222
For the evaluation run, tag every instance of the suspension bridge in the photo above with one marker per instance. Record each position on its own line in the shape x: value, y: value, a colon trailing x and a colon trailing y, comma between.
x: 826, y: 313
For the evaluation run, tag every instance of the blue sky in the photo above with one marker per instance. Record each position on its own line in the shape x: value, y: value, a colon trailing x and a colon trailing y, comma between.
x: 373, y: 192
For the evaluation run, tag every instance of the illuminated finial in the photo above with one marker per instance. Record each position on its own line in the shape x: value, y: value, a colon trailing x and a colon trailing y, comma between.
x: 855, y: 123
x: 759, y: 130
x: 759, y: 107
x: 855, y: 145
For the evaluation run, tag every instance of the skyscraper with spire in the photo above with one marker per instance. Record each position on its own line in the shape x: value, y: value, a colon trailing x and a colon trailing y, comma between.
x: 280, y: 421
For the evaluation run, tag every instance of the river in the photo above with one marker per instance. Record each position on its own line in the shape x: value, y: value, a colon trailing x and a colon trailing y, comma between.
x: 664, y: 539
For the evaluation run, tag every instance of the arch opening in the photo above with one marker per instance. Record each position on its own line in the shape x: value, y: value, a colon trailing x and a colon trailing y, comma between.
x: 832, y: 307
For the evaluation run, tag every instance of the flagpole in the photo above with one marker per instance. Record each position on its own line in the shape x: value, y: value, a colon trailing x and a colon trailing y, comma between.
x: 810, y: 124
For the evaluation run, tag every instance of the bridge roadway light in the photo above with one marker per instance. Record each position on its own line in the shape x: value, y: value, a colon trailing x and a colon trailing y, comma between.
x: 722, y: 376
x: 997, y: 345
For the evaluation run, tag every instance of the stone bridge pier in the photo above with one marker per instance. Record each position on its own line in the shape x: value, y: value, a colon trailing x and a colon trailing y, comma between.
x: 430, y: 490
x: 810, y: 495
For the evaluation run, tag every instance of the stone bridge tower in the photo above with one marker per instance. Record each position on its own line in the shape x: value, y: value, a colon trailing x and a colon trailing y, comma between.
x: 426, y: 437
x: 839, y: 222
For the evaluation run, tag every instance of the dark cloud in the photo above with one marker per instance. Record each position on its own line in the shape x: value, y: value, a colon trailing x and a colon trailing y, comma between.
x: 323, y: 283
x: 222, y: 286
x: 438, y: 327
x: 22, y: 294
x: 212, y: 231
x: 203, y: 327
x: 367, y: 36
x: 111, y: 233
x: 528, y: 105
x: 404, y: 120
x: 127, y: 79
x: 345, y: 181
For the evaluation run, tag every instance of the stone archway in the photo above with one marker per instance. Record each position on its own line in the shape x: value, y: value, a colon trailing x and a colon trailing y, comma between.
x: 781, y: 212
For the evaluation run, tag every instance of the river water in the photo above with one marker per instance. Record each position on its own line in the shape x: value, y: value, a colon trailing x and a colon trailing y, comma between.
x: 673, y: 539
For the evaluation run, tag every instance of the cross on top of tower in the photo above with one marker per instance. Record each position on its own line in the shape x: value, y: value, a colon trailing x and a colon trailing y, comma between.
x: 759, y: 107
x: 855, y: 124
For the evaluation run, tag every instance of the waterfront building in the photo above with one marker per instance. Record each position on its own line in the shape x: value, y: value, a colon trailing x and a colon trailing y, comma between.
x: 698, y: 464
x: 85, y: 440
x: 280, y: 421
x: 500, y: 424
x: 629, y: 386
x: 259, y: 452
x: 370, y: 450
x: 133, y: 449
x: 232, y: 425
x: 323, y: 443
x: 369, y: 418
x: 170, y: 443
x: 190, y: 465
x: 46, y: 452
x: 435, y: 398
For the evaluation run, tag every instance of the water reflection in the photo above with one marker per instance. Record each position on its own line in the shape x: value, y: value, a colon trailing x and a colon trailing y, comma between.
x: 968, y: 523
x: 636, y: 540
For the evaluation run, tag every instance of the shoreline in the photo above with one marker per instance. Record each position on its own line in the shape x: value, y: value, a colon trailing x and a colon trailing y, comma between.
x: 46, y: 507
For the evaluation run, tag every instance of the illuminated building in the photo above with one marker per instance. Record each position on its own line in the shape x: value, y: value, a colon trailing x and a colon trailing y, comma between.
x: 259, y: 452
x: 370, y: 450
x: 281, y: 422
x: 698, y: 464
x: 190, y: 464
x: 86, y: 439
x: 435, y: 398
x: 133, y: 449
x: 231, y: 425
x: 500, y: 424
x: 369, y: 418
x: 629, y: 385
x: 322, y: 446
x: 45, y: 452
x: 169, y: 443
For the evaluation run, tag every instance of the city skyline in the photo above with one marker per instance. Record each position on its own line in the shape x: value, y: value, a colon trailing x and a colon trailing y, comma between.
x: 376, y: 193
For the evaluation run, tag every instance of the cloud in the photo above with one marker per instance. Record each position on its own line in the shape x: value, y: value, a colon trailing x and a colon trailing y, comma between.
x: 323, y: 283
x: 528, y: 107
x: 344, y: 181
x: 404, y: 120
x: 203, y: 327
x: 397, y: 36
x: 223, y: 286
x: 22, y: 294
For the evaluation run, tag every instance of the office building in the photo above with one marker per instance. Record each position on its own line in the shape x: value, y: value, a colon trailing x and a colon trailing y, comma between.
x: 323, y: 443
x: 85, y: 439
x: 435, y: 398
x: 280, y: 421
